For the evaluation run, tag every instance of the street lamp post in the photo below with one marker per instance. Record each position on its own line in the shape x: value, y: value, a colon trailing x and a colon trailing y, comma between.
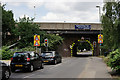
x: 100, y: 22
x: 99, y: 13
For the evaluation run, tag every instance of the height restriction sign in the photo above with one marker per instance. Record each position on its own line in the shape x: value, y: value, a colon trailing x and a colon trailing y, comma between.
x: 36, y: 40
x: 100, y: 38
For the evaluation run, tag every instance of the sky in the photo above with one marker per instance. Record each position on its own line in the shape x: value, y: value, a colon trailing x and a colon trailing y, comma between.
x: 79, y: 11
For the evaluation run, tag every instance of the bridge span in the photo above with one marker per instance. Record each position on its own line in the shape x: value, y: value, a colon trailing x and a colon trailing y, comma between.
x: 72, y: 32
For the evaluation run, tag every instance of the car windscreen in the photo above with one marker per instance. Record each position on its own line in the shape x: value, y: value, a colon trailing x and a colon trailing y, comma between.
x: 48, y: 54
x: 20, y: 55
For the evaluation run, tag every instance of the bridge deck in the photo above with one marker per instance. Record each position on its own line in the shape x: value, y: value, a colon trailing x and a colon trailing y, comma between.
x: 67, y: 26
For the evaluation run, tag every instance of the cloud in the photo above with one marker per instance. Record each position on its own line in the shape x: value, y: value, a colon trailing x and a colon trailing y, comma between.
x: 53, y: 0
x: 62, y: 10
x: 72, y: 11
x: 57, y: 7
x: 16, y: 4
x: 77, y: 17
x: 68, y: 7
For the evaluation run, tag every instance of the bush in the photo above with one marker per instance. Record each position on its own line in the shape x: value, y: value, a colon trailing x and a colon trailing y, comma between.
x: 6, y: 53
x: 106, y: 59
x: 28, y: 49
x: 114, y: 60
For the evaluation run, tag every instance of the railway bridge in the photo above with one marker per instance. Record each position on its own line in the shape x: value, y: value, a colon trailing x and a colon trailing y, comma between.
x: 74, y: 33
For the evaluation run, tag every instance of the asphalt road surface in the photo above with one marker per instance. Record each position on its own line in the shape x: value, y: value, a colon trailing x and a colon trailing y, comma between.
x: 71, y: 67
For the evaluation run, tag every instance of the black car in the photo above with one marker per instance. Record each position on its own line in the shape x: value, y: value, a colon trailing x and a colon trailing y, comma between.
x: 51, y: 57
x: 5, y: 71
x: 26, y: 61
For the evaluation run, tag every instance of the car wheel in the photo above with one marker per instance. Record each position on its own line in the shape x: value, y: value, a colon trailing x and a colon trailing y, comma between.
x: 61, y: 61
x: 6, y: 74
x: 31, y: 68
x: 42, y: 66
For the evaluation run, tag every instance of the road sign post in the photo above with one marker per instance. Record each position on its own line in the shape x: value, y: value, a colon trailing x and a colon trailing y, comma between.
x: 36, y: 41
x: 94, y: 46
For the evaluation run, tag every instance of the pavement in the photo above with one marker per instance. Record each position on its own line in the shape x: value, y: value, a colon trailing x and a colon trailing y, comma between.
x: 95, y: 68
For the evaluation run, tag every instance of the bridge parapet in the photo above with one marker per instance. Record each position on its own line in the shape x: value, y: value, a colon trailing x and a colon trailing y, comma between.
x: 67, y: 26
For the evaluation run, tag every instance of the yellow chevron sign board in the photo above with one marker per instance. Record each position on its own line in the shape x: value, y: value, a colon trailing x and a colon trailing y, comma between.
x: 100, y: 38
x: 36, y: 40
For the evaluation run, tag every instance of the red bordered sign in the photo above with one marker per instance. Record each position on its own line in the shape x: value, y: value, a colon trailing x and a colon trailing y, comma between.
x: 100, y: 38
x: 36, y: 40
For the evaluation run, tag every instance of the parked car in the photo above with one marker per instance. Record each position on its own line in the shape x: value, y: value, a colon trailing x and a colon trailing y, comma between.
x: 26, y: 61
x: 51, y: 57
x: 4, y: 71
x: 107, y: 52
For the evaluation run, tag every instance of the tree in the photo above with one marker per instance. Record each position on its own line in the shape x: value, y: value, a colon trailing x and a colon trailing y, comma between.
x: 111, y: 25
x: 8, y: 24
x: 26, y: 30
x: 53, y: 41
x: 117, y: 23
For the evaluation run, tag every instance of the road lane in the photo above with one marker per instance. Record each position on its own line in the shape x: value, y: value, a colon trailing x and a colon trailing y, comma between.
x: 67, y: 69
x: 71, y: 69
x: 75, y: 67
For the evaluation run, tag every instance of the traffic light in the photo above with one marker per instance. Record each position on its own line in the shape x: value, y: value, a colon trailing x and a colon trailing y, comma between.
x: 46, y: 42
x: 94, y: 44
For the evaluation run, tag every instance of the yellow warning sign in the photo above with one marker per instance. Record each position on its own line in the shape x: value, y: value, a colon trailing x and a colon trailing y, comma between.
x: 36, y: 43
x: 36, y: 37
x: 100, y: 38
x: 36, y: 40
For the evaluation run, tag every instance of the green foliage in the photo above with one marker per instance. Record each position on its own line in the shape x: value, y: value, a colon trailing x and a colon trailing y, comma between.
x: 26, y: 30
x: 53, y: 41
x: 114, y: 60
x: 6, y: 53
x: 83, y: 45
x: 106, y: 59
x: 8, y: 24
x: 29, y: 48
x: 111, y: 25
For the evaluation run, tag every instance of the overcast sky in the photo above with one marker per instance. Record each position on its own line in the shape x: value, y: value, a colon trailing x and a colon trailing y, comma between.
x: 82, y: 11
